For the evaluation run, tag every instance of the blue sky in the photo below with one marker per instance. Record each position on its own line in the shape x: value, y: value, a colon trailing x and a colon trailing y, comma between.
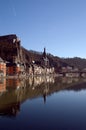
x: 58, y: 25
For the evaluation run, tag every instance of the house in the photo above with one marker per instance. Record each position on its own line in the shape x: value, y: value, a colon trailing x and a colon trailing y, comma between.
x: 2, y: 68
x: 67, y: 68
x: 13, y: 68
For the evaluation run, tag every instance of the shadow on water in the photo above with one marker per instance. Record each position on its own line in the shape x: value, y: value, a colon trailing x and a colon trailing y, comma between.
x: 13, y: 92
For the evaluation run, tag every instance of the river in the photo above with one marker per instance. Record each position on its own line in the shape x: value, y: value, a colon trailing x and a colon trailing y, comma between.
x: 43, y: 103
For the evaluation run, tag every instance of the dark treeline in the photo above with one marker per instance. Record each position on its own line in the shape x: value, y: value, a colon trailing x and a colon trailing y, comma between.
x: 76, y: 62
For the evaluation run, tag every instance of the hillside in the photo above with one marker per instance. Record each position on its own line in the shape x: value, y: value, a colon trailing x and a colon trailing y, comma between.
x: 31, y: 55
x: 76, y: 62
x: 55, y: 61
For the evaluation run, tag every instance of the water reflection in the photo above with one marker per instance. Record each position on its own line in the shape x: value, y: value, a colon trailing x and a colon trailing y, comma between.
x: 2, y: 85
x: 13, y: 92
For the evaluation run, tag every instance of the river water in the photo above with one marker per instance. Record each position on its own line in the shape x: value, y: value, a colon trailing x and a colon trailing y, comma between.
x: 43, y: 103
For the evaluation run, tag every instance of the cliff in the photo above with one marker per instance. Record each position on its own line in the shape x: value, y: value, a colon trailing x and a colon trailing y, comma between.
x: 10, y: 48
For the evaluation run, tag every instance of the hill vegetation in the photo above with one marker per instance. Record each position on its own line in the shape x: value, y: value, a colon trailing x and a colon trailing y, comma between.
x: 55, y: 61
x: 76, y: 62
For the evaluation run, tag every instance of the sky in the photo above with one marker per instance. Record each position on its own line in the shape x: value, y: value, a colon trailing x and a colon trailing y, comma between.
x: 58, y: 25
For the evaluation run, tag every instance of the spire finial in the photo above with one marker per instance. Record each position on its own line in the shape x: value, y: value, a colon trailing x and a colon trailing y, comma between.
x: 44, y: 53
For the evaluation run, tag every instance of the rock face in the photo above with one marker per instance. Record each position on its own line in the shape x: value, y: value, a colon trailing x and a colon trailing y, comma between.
x: 10, y: 48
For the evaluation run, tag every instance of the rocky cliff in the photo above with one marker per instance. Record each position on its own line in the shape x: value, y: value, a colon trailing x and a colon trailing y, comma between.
x: 10, y: 48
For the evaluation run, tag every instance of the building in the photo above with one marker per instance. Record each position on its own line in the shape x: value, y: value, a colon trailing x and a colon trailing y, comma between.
x: 41, y: 67
x: 44, y: 60
x: 13, y: 68
x: 2, y: 68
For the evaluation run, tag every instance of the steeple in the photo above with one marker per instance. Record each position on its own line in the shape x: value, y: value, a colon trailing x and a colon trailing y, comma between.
x: 44, y: 53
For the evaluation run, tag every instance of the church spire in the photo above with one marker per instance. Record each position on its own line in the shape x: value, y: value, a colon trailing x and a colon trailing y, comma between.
x: 44, y: 53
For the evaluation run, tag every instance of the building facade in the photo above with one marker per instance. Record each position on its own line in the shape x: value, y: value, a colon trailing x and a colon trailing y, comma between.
x: 2, y: 67
x: 13, y: 69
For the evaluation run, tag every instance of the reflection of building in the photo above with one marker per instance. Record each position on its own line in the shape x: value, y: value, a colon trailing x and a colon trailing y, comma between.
x: 45, y: 92
x: 2, y: 85
x: 37, y: 80
x: 13, y: 83
x: 10, y: 110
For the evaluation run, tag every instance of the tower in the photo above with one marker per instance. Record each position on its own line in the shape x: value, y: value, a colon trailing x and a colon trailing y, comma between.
x: 45, y: 61
x: 44, y: 53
